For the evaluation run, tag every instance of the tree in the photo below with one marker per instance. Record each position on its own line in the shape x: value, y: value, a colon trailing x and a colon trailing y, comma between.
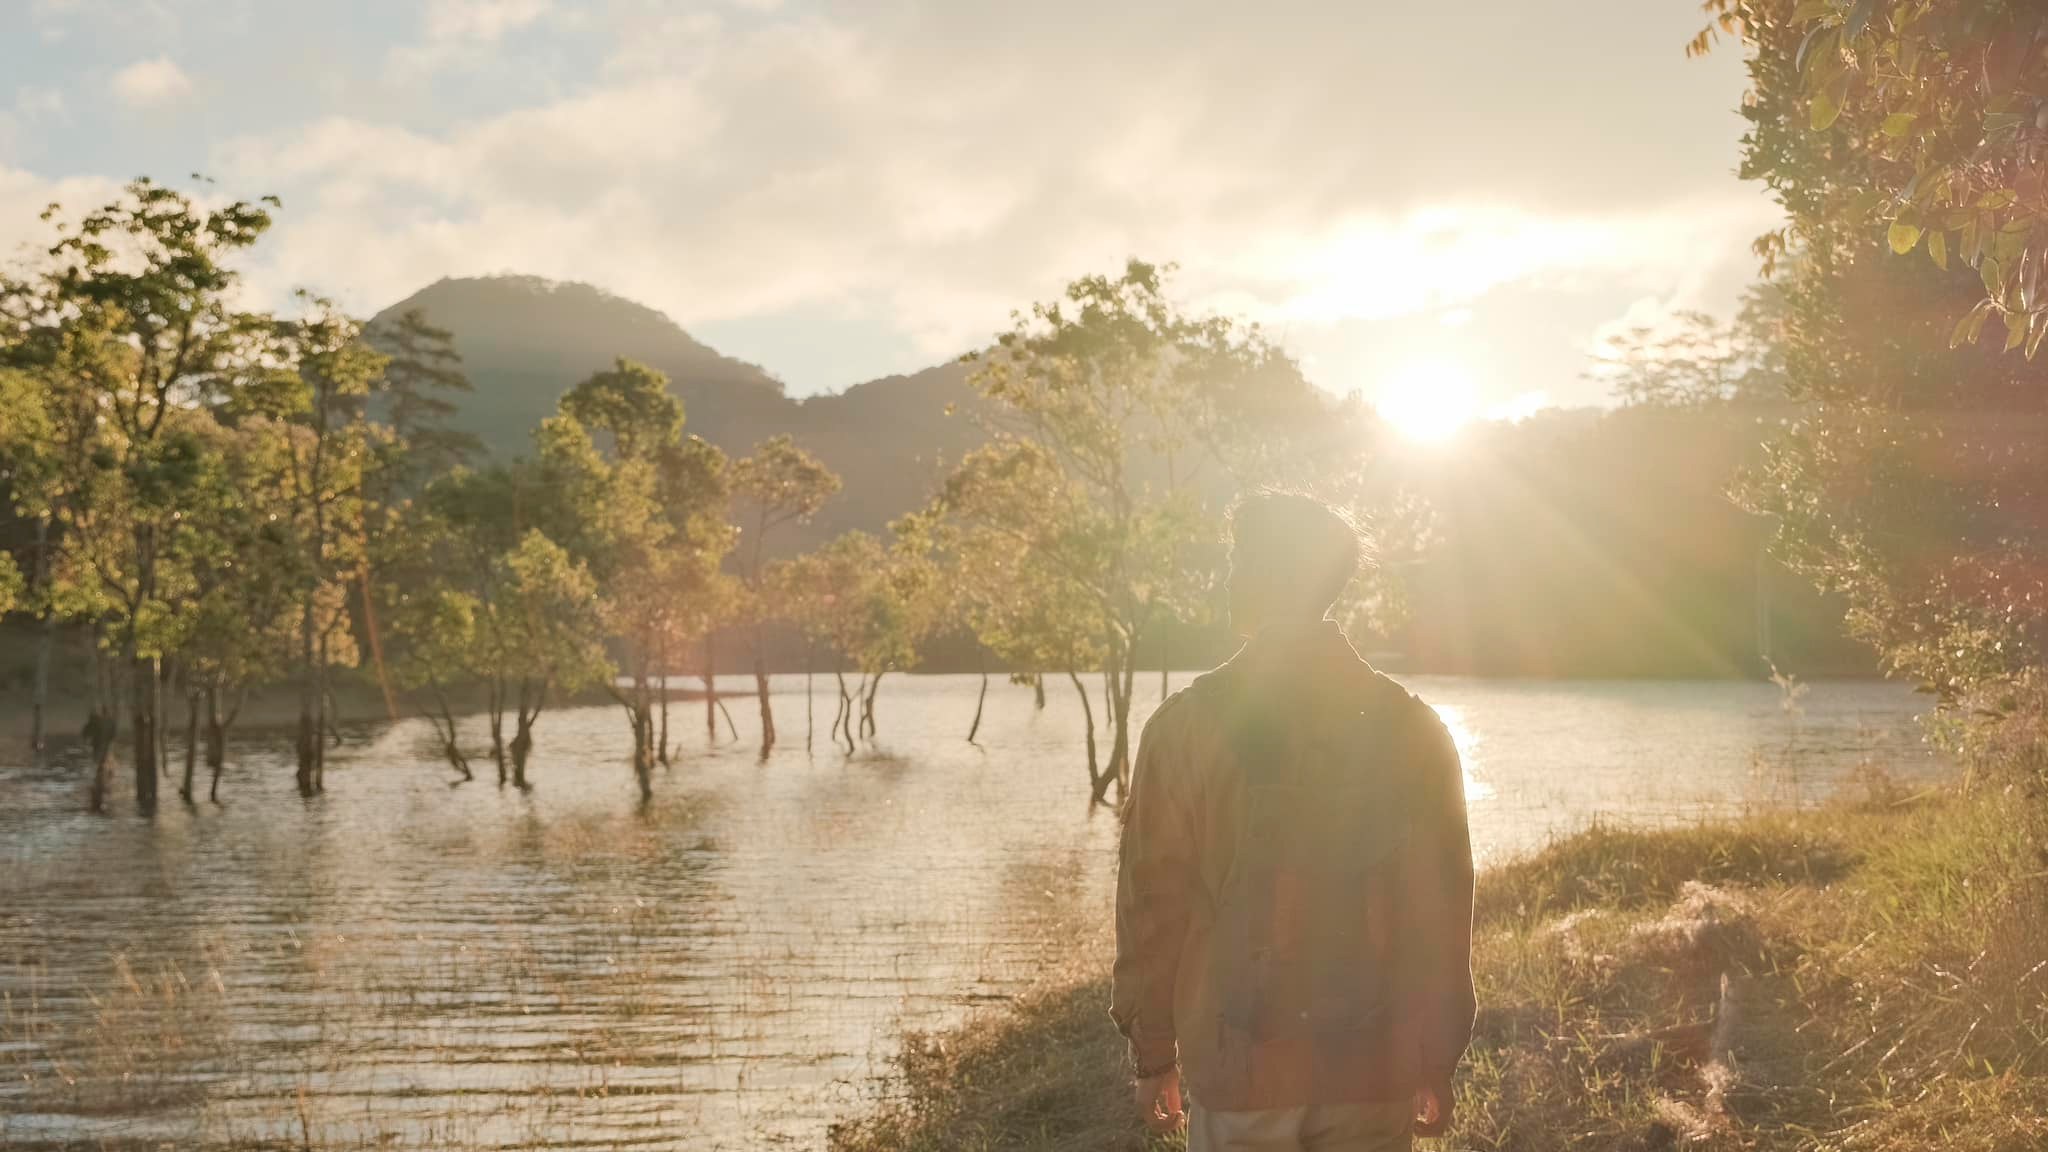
x: 646, y: 515
x: 874, y: 607
x: 31, y: 455
x: 1925, y: 124
x: 131, y: 313
x: 423, y: 368
x: 1115, y: 412
x: 1911, y: 480
x: 319, y: 398
x: 241, y: 556
x: 546, y: 625
x: 779, y: 484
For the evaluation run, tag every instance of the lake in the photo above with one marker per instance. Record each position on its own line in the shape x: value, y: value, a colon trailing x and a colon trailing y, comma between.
x: 404, y: 962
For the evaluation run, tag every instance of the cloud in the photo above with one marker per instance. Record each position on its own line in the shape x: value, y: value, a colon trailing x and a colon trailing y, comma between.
x: 934, y: 165
x: 148, y: 82
x: 455, y: 30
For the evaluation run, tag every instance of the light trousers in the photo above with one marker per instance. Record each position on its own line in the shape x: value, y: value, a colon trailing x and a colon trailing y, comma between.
x: 1377, y: 1127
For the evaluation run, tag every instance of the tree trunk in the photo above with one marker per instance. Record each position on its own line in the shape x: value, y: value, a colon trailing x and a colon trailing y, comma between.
x: 1165, y: 667
x: 142, y: 728
x: 444, y: 726
x: 663, y: 689
x: 867, y: 717
x: 847, y: 703
x: 1038, y: 691
x: 46, y: 641
x: 216, y: 742
x: 191, y: 743
x: 810, y: 693
x: 164, y: 677
x: 142, y: 674
x: 981, y: 662
x: 309, y: 703
x: 522, y: 747
x: 1096, y: 787
x: 102, y: 724
x: 496, y: 703
x: 839, y: 714
x: 710, y: 690
x: 761, y: 691
x: 643, y: 756
x: 1120, y: 750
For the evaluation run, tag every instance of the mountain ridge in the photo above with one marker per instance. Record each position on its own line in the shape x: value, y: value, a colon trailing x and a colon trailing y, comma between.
x: 525, y: 340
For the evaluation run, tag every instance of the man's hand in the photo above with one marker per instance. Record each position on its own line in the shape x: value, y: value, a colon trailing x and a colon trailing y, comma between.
x: 1433, y: 1107
x: 1159, y: 1101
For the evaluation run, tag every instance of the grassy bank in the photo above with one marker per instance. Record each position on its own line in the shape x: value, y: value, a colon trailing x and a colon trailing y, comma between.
x: 1869, y: 976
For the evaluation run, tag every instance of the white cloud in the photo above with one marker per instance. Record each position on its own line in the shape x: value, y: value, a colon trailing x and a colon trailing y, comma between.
x: 452, y: 30
x: 935, y: 165
x: 155, y: 81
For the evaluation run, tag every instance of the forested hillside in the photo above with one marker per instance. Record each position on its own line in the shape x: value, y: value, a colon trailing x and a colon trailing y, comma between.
x: 524, y: 341
x: 1588, y: 543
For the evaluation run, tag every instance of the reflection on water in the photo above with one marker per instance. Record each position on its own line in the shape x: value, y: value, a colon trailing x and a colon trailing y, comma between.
x: 405, y: 961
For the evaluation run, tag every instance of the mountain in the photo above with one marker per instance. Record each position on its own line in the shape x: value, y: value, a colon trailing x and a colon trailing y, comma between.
x: 524, y: 341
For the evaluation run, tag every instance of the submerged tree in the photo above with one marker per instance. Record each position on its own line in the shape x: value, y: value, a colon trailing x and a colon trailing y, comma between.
x: 779, y: 484
x: 1122, y: 426
x: 130, y: 321
x: 645, y: 511
x: 329, y: 372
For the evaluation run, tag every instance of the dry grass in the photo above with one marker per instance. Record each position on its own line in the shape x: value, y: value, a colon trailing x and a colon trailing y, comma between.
x: 1872, y: 977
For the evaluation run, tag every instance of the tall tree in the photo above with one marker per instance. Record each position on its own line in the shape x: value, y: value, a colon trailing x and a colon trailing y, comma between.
x: 139, y: 290
x: 1910, y: 481
x: 1122, y: 425
x: 328, y: 374
x: 779, y: 484
x: 648, y: 517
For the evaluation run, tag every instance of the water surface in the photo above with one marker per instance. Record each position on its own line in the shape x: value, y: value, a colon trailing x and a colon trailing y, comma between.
x: 406, y: 962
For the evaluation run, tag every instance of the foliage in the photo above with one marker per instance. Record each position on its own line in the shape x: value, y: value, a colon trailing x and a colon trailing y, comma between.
x: 1122, y: 426
x: 1911, y: 481
x: 1935, y: 119
x: 1698, y: 360
x: 647, y: 515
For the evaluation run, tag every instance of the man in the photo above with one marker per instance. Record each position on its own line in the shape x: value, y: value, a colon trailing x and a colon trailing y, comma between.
x: 1294, y: 904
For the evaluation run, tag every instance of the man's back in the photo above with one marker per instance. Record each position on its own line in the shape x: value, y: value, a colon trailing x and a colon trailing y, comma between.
x: 1294, y: 902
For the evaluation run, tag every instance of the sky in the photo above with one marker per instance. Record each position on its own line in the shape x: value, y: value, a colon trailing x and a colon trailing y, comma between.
x: 1413, y: 197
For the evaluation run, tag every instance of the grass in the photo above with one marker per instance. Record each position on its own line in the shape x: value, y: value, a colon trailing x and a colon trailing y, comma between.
x: 1867, y: 977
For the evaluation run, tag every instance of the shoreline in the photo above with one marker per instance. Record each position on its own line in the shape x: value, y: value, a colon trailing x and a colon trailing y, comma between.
x: 1783, y: 979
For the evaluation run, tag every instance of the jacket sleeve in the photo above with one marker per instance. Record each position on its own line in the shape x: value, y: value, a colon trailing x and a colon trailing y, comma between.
x: 1156, y: 878
x: 1435, y: 892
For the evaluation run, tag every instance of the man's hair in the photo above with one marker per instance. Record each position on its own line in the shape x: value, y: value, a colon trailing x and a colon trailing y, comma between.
x: 1293, y: 552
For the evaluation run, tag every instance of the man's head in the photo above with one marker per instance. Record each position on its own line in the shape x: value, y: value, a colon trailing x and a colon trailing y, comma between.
x: 1290, y: 558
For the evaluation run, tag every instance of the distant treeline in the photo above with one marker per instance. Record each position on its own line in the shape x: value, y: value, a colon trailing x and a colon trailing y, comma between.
x: 217, y: 502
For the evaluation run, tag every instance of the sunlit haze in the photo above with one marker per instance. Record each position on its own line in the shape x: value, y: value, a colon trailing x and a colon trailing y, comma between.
x: 1429, y: 401
x: 840, y: 191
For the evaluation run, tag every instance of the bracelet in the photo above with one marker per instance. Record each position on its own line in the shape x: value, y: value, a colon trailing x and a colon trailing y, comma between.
x: 1163, y: 1069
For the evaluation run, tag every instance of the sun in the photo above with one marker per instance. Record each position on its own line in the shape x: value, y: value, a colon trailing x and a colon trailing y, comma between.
x: 1429, y: 401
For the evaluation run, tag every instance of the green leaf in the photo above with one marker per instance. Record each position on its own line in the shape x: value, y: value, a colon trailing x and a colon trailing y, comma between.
x: 1805, y: 46
x: 1993, y: 276
x: 1937, y: 248
x: 2037, y: 326
x: 1970, y: 325
x: 1826, y: 110
x: 1811, y: 10
x: 1997, y: 198
x: 1903, y: 236
x: 2015, y: 329
x: 1859, y: 19
x: 1899, y: 123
